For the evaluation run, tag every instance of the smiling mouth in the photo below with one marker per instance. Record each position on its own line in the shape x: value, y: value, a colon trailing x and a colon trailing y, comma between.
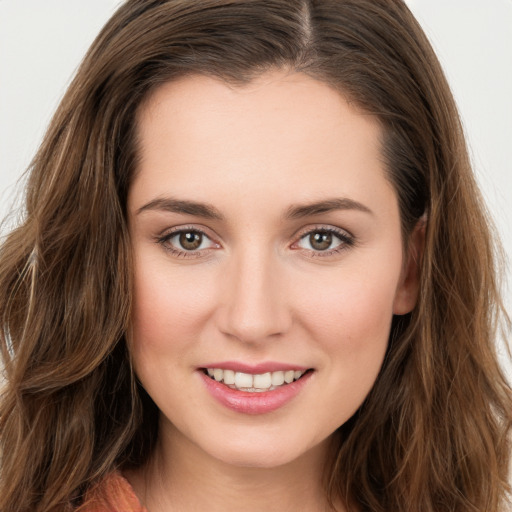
x: 254, y: 383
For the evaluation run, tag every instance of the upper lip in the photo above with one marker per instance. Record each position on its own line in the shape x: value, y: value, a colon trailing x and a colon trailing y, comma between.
x: 259, y: 368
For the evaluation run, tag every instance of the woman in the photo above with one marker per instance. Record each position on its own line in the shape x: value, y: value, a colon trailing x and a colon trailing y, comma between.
x: 255, y: 268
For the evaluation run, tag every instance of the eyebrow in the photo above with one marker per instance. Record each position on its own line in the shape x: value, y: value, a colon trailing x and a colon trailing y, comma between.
x: 208, y: 211
x: 184, y: 207
x: 326, y: 206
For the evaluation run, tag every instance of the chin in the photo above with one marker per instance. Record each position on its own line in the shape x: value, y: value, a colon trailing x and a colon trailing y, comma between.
x: 262, y: 459
x: 264, y: 453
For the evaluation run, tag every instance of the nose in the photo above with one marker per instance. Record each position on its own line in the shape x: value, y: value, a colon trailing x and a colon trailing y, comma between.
x: 254, y: 303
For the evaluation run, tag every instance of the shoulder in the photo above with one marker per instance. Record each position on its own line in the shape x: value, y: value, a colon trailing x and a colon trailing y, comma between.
x: 112, y: 494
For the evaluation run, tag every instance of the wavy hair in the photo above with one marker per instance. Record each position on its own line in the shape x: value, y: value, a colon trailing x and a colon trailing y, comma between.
x: 434, y: 432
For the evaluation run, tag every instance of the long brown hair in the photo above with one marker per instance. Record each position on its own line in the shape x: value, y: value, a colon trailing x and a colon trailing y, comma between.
x: 434, y: 433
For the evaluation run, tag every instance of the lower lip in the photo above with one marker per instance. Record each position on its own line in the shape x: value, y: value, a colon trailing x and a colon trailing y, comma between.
x: 254, y: 403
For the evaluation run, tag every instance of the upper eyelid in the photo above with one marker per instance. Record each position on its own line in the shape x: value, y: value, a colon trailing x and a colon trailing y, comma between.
x: 322, y: 227
x: 298, y: 233
x: 183, y: 229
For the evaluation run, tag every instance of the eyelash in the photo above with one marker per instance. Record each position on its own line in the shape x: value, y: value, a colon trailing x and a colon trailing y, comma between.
x: 346, y: 241
x: 181, y: 253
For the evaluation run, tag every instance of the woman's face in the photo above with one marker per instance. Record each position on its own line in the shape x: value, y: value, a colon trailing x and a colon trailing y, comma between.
x: 267, y: 248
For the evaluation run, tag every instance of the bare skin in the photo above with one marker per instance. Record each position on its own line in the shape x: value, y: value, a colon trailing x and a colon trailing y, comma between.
x: 265, y: 232
x: 185, y: 482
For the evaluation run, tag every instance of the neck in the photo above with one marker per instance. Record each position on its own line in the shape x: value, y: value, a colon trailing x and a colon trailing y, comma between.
x: 180, y: 476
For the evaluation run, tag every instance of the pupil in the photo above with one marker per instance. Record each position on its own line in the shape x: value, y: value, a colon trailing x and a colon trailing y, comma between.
x: 320, y: 241
x: 190, y: 241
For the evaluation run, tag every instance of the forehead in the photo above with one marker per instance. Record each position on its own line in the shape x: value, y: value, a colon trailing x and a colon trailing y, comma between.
x: 286, y: 131
x: 198, y: 101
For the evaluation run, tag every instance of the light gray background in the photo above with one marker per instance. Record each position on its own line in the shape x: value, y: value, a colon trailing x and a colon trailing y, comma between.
x: 42, y: 42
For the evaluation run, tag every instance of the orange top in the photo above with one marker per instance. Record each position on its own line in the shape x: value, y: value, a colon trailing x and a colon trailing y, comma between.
x: 113, y: 494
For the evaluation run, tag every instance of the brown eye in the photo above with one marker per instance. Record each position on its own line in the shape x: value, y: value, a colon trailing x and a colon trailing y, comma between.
x: 326, y: 240
x: 320, y: 240
x: 190, y: 240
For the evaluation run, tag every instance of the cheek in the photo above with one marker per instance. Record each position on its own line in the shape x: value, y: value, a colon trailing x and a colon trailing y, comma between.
x: 351, y: 327
x: 349, y: 314
x: 353, y: 307
x: 354, y: 332
x: 165, y: 318
x: 167, y: 304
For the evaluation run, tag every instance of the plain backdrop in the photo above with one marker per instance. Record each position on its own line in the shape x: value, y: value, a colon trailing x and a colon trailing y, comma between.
x: 43, y: 41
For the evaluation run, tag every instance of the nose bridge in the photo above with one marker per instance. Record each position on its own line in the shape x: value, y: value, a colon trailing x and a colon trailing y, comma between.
x: 254, y: 303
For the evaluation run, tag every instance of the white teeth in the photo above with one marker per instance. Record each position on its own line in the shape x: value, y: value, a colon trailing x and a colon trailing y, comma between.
x: 243, y: 380
x: 254, y: 383
x: 263, y: 381
x: 229, y: 377
x: 277, y: 378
